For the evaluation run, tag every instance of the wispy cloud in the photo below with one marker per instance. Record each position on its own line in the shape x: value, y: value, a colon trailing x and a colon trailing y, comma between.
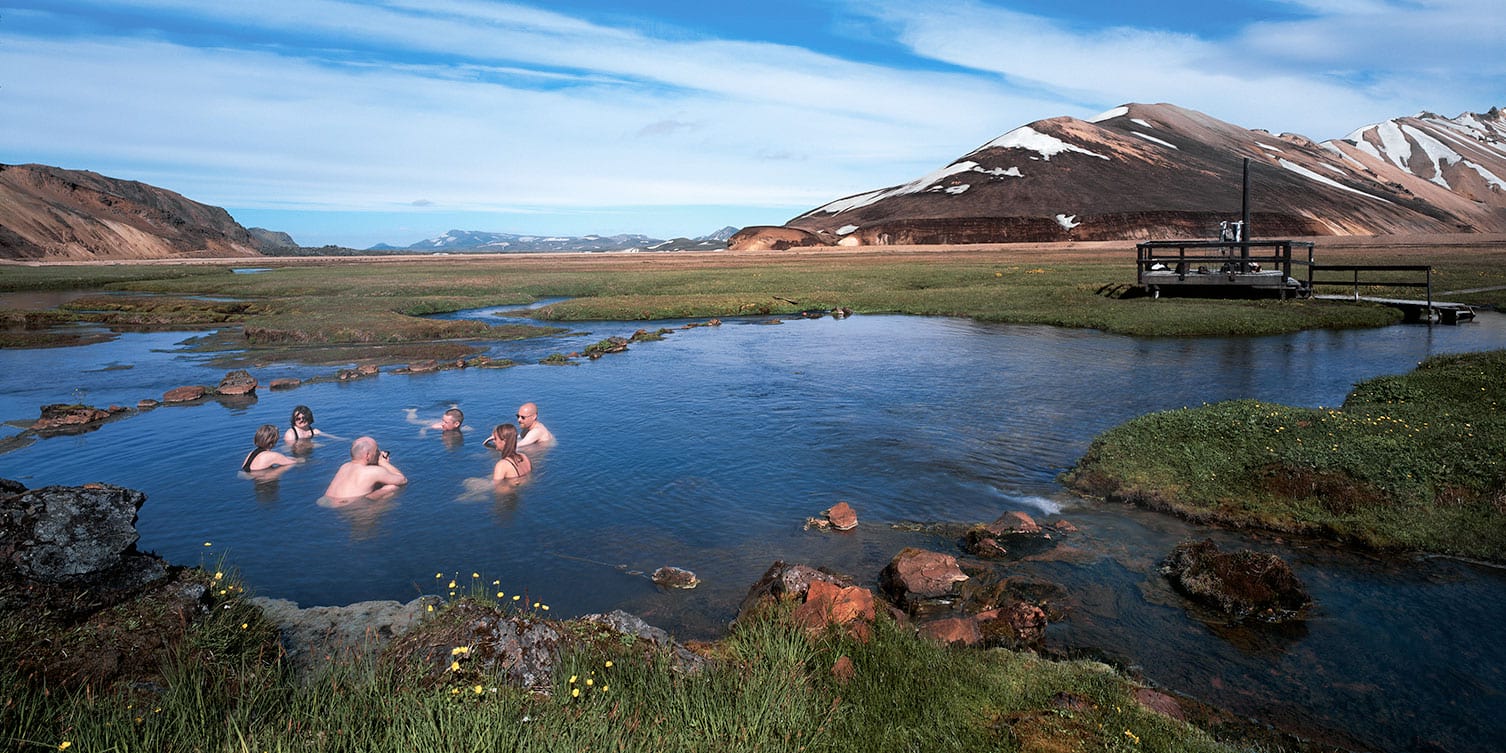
x: 352, y: 107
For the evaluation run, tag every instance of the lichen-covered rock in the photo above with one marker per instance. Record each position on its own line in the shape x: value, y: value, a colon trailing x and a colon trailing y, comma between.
x: 1242, y: 585
x: 58, y: 533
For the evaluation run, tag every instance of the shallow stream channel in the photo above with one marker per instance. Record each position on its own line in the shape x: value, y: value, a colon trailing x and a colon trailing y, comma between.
x: 709, y: 449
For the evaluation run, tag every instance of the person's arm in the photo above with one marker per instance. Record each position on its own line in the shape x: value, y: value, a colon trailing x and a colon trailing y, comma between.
x: 275, y: 458
x: 387, y: 472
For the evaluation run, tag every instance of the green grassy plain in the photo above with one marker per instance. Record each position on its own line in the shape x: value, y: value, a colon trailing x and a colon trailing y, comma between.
x: 307, y: 302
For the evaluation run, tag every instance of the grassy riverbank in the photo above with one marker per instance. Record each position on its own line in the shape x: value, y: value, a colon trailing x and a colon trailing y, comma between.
x: 768, y: 687
x: 381, y: 300
x: 1408, y: 462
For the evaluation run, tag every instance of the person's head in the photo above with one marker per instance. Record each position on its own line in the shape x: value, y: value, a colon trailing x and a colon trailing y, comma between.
x: 365, y: 450
x: 302, y: 417
x: 528, y: 415
x: 266, y: 436
x: 505, y: 439
x: 452, y: 419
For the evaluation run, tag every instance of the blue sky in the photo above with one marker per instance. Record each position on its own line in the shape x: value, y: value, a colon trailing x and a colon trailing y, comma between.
x: 355, y: 123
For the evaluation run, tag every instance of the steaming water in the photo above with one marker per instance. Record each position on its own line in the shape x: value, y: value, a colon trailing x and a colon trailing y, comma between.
x: 709, y: 449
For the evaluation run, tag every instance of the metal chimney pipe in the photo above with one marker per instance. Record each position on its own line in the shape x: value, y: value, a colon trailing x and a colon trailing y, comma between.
x: 1244, y: 215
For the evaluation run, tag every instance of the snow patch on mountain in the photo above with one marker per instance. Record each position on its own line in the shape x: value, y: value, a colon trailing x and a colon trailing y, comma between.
x: 1306, y: 173
x: 1109, y: 114
x: 1162, y: 142
x: 1067, y: 221
x: 914, y: 186
x: 1028, y: 138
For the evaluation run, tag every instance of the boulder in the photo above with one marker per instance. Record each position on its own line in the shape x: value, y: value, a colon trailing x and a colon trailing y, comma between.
x: 237, y: 382
x: 60, y: 417
x: 782, y: 581
x: 284, y: 383
x: 920, y: 581
x: 146, y: 404
x: 423, y: 367
x: 1240, y: 585
x: 186, y: 394
x: 61, y: 533
x: 681, y: 658
x: 840, y: 516
x: 522, y: 650
x: 310, y: 636
x: 1014, y: 521
x: 849, y: 608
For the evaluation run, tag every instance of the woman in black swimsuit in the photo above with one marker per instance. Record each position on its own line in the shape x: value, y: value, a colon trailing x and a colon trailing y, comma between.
x: 302, y: 426
x: 513, y: 464
x: 263, y: 456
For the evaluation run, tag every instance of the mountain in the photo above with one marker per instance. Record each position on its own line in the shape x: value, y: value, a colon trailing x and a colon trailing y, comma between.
x: 1160, y: 171
x: 56, y: 214
x: 478, y: 242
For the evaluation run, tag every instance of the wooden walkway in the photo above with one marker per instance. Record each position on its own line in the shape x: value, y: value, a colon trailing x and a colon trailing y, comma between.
x: 1443, y: 312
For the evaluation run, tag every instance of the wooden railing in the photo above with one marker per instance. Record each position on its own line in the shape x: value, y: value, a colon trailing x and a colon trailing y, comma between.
x: 1354, y: 280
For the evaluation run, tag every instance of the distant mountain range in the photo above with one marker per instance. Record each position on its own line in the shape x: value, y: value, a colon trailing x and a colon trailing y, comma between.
x: 1160, y: 171
x: 1135, y: 172
x: 477, y: 242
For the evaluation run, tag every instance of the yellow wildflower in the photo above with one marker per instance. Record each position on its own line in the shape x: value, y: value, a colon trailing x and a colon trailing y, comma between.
x: 479, y: 690
x: 64, y: 745
x: 458, y: 650
x: 575, y: 692
x: 475, y: 575
x: 609, y: 664
x: 454, y: 666
x: 218, y: 575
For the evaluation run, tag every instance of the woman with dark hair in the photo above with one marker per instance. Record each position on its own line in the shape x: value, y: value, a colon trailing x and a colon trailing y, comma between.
x: 302, y: 426
x: 263, y: 456
x: 513, y: 464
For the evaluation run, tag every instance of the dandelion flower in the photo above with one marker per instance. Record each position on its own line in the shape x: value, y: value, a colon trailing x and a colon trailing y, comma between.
x: 64, y: 745
x: 459, y: 650
x: 479, y: 690
x: 475, y: 575
x: 454, y: 666
x: 590, y: 682
x: 452, y: 584
x: 608, y: 664
x: 575, y: 692
x: 218, y: 575
x: 573, y: 678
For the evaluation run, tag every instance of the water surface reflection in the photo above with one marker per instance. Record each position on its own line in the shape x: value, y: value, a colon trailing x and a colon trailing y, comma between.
x: 709, y: 449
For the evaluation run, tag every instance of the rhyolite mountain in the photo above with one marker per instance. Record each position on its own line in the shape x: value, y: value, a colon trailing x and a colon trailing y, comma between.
x: 55, y: 214
x: 1142, y: 172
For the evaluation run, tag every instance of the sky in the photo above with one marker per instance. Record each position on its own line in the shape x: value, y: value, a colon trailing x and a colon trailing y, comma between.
x: 392, y: 121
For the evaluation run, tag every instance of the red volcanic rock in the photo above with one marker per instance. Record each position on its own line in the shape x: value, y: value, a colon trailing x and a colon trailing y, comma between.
x: 423, y: 367
x: 60, y: 416
x: 917, y: 574
x: 184, y: 394
x: 1064, y: 526
x: 842, y: 517
x: 953, y: 630
x: 772, y: 238
x: 1014, y: 521
x: 850, y: 608
x: 238, y: 382
x: 284, y: 383
x: 146, y: 404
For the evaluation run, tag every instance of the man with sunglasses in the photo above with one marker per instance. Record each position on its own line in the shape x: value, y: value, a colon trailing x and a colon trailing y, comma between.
x: 534, y: 432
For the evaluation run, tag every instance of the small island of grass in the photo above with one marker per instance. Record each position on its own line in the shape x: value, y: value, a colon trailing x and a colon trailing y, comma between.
x: 1410, y: 462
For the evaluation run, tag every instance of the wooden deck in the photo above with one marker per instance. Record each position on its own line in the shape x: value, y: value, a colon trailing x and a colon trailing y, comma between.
x: 1443, y: 312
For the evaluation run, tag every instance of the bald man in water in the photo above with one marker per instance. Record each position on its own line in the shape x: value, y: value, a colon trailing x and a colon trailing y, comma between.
x: 368, y: 474
x: 534, y: 431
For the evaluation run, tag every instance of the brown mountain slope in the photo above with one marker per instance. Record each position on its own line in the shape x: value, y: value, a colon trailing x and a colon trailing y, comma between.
x: 1160, y: 171
x: 48, y: 213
